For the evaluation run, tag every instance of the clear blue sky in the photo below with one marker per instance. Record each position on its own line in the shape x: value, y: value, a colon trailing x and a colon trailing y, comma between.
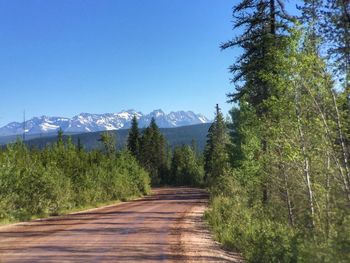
x: 63, y: 57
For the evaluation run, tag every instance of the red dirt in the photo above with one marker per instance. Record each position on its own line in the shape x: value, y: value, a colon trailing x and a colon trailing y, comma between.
x: 165, y: 226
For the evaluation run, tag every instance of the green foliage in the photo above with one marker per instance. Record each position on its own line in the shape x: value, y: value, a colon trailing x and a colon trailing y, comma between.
x: 63, y: 177
x: 109, y: 143
x: 286, y: 196
x: 133, y: 142
x: 246, y: 230
x: 154, y: 154
x: 183, y: 168
x: 216, y: 158
x: 186, y: 167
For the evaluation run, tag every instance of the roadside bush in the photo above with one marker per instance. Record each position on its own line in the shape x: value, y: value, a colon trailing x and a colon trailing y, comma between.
x: 246, y: 230
x: 251, y: 230
x: 62, y: 177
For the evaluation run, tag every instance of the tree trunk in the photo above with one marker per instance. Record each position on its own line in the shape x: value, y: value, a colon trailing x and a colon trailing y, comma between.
x: 289, y: 204
x: 306, y: 165
x: 342, y: 140
x: 272, y: 17
x: 331, y: 142
x: 327, y: 194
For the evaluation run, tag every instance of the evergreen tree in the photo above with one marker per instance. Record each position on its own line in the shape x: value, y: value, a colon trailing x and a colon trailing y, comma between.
x: 264, y: 27
x: 60, y: 137
x: 215, y: 153
x: 153, y: 153
x: 80, y: 146
x: 109, y: 143
x: 133, y: 142
x: 263, y: 23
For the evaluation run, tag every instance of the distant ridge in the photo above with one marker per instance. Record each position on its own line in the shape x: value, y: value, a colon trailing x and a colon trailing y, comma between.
x: 86, y: 122
x: 184, y: 135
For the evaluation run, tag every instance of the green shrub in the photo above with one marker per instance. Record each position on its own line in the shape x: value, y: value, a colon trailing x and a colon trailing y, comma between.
x: 246, y: 230
x: 62, y: 177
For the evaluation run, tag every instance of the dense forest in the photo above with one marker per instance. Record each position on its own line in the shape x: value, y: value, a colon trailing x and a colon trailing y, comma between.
x: 182, y: 165
x: 279, y: 172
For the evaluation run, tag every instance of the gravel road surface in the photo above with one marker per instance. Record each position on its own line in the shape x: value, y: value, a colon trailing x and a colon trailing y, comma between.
x: 166, y: 226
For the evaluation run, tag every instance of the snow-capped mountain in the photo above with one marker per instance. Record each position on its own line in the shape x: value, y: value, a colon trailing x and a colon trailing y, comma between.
x: 86, y: 122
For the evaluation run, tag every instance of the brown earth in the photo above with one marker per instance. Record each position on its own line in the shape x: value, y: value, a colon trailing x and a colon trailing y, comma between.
x: 165, y: 226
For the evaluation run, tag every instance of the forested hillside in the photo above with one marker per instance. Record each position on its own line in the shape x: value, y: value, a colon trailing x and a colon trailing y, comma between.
x: 279, y: 172
x: 174, y: 136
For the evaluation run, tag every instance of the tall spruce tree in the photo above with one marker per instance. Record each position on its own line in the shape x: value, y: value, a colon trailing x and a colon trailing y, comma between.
x: 60, y: 137
x: 80, y: 146
x: 133, y: 143
x: 215, y: 153
x: 153, y: 153
x: 263, y: 23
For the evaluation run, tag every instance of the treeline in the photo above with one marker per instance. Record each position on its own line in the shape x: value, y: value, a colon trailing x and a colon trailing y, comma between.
x: 279, y: 171
x: 64, y: 176
x: 174, y: 136
x: 182, y: 166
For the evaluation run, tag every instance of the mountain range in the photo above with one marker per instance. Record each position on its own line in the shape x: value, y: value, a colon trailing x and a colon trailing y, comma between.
x: 86, y: 122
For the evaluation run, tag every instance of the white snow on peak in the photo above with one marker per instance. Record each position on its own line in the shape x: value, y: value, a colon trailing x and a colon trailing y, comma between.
x: 48, y: 127
x: 86, y: 122
x: 203, y: 119
x: 110, y: 127
x: 125, y: 115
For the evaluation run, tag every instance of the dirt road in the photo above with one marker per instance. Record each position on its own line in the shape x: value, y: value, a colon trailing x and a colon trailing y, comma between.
x: 165, y: 226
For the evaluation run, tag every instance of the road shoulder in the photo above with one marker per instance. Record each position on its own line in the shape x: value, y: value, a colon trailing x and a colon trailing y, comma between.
x: 196, y: 241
